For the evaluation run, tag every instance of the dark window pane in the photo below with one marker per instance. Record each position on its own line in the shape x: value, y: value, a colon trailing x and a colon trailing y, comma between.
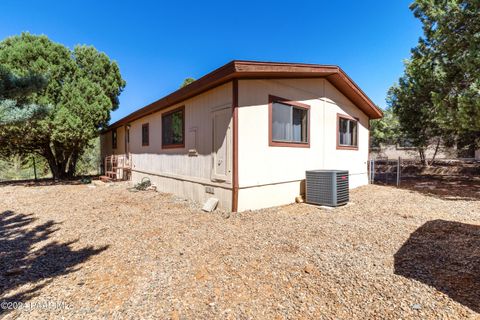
x: 172, y: 128
x: 353, y: 132
x: 145, y: 134
x: 114, y: 139
x: 343, y: 126
x: 299, y: 125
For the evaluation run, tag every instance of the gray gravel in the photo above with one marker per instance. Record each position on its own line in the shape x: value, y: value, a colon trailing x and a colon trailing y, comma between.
x: 106, y: 252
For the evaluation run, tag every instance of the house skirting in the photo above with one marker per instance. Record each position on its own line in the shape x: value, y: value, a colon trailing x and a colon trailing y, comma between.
x: 277, y: 194
x: 249, y: 197
x: 188, y: 188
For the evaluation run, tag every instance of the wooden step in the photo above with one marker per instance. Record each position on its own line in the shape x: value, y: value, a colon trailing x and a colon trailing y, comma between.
x: 105, y: 179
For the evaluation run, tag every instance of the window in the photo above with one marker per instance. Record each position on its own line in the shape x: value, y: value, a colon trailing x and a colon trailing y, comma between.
x: 347, y: 133
x: 145, y: 134
x: 289, y: 123
x: 114, y: 139
x: 173, y: 128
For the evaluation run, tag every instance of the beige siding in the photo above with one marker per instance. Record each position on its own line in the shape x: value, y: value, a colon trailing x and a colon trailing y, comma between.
x: 176, y: 170
x: 106, y: 143
x: 268, y: 176
x: 280, y: 170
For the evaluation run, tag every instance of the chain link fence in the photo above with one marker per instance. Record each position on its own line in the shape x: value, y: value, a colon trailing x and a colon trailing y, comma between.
x: 385, y: 171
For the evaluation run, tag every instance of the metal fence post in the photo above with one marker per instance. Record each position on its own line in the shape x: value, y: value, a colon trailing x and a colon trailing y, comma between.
x: 34, y: 168
x: 387, y: 171
x: 370, y: 171
x: 398, y: 171
x: 373, y: 171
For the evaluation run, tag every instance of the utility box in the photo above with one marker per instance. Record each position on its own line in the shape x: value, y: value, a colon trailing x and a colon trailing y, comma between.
x: 327, y: 187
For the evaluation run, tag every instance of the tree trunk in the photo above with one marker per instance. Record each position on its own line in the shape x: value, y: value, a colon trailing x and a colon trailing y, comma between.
x: 436, y: 151
x: 52, y: 164
x: 423, y: 160
x: 57, y: 163
x: 72, y: 164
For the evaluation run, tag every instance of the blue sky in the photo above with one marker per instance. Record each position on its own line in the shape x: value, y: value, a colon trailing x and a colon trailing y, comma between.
x: 157, y: 44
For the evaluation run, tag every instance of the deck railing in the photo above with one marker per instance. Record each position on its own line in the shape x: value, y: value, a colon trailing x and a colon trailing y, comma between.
x: 118, y: 166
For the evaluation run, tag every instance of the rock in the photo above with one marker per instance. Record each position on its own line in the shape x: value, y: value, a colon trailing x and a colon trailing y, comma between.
x: 309, y: 268
x: 226, y: 215
x: 416, y: 306
x: 201, y: 274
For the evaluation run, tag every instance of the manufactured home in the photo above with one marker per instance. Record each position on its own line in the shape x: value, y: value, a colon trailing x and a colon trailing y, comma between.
x: 245, y: 134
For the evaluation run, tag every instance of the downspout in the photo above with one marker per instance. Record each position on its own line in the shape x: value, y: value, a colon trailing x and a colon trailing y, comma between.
x: 235, y: 145
x: 324, y: 121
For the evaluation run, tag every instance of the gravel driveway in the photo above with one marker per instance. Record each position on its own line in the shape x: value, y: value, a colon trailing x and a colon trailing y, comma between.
x: 77, y: 251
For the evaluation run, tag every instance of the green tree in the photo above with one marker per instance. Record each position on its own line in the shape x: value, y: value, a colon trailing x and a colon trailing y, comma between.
x: 83, y: 88
x: 13, y: 97
x: 438, y: 97
x: 385, y: 130
x: 89, y: 162
x: 452, y: 42
x: 412, y: 103
x: 186, y: 82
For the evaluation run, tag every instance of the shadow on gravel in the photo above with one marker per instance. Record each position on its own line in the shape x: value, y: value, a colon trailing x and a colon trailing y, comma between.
x: 444, y: 255
x: 24, y: 260
x: 45, y: 182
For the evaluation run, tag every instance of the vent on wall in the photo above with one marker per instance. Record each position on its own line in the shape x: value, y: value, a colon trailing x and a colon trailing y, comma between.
x: 327, y: 187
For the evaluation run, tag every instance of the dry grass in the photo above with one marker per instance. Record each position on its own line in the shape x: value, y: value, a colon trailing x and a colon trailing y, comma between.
x: 109, y: 252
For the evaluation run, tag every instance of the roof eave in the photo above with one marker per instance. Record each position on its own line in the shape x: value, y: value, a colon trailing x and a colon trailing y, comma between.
x: 239, y: 69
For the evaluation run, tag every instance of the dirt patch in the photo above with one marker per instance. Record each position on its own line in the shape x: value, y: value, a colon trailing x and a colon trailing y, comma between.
x: 439, y: 168
x: 445, y: 187
x: 107, y: 252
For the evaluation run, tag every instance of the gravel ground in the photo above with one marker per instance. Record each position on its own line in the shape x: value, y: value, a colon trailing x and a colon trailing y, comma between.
x: 77, y: 251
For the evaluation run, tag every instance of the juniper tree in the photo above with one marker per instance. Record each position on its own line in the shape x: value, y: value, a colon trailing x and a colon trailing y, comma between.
x: 186, y: 82
x: 438, y: 97
x: 82, y: 89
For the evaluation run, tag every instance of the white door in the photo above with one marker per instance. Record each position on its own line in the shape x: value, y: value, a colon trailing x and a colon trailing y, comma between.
x: 221, y: 166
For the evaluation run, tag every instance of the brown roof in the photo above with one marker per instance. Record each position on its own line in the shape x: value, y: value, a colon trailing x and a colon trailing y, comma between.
x: 261, y: 70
